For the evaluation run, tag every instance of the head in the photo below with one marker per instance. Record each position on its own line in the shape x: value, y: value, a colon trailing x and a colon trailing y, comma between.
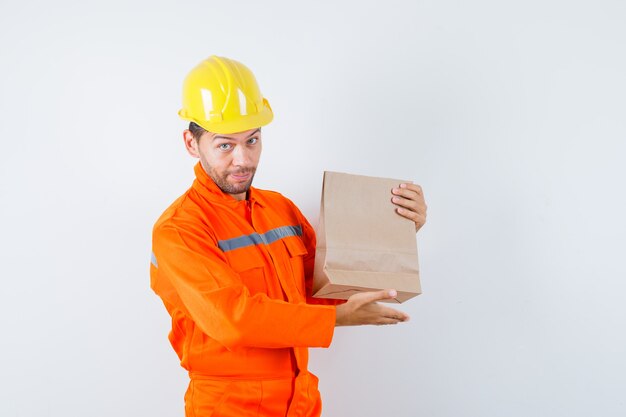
x: 229, y: 159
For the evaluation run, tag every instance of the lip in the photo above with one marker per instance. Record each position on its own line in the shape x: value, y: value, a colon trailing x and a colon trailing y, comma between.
x: 241, y: 177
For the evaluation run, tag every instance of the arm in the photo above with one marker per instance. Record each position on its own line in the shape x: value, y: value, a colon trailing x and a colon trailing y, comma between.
x: 212, y: 294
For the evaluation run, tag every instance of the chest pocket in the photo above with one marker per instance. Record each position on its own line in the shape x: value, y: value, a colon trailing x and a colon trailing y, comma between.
x: 297, y: 251
x: 247, y: 263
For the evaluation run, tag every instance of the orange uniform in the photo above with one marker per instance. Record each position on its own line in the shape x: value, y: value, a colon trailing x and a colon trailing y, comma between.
x: 235, y: 277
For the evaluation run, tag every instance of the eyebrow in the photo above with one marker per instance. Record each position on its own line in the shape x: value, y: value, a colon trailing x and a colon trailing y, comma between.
x: 227, y: 138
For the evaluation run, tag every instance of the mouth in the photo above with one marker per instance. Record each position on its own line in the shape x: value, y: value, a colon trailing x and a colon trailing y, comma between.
x: 241, y: 176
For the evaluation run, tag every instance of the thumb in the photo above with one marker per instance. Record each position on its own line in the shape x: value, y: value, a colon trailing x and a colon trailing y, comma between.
x: 373, y: 296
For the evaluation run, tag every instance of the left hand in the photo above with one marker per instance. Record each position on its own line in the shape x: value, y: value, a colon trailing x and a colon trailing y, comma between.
x: 410, y: 201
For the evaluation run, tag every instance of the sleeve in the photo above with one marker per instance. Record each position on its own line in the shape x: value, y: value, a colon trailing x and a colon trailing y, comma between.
x: 191, y: 270
x: 310, y: 242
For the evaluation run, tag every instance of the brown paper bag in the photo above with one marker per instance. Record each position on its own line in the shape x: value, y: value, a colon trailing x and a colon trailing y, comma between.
x: 362, y: 243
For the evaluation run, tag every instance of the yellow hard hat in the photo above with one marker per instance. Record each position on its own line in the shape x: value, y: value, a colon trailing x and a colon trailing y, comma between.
x: 222, y: 96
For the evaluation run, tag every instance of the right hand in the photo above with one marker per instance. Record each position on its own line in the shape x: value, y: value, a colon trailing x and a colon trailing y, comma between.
x: 362, y: 308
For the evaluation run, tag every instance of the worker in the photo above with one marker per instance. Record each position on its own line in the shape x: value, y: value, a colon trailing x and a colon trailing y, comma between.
x: 233, y: 264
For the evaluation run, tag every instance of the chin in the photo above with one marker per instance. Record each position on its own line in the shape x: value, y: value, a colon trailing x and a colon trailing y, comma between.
x: 239, y: 188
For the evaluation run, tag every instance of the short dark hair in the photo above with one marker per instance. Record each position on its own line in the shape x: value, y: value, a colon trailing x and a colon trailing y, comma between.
x: 196, y: 130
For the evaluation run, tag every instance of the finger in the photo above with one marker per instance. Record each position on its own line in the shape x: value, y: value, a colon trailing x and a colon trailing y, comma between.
x: 408, y: 189
x: 415, y: 205
x: 394, y: 314
x: 384, y: 321
x: 407, y: 194
x: 389, y: 320
x: 373, y: 296
x: 409, y: 214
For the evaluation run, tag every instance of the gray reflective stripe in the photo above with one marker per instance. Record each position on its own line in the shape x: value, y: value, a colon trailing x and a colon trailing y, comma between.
x: 256, y: 239
x: 153, y: 260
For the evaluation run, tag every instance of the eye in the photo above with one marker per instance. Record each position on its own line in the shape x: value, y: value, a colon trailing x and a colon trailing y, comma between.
x: 252, y: 141
x: 224, y: 146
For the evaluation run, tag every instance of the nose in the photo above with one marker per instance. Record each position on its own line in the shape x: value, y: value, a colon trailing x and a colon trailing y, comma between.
x: 241, y: 156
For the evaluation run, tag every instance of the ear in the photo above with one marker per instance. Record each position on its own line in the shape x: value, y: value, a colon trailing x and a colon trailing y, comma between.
x: 191, y: 144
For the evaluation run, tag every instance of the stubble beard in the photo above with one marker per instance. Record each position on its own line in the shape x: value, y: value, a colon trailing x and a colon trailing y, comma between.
x: 222, y: 180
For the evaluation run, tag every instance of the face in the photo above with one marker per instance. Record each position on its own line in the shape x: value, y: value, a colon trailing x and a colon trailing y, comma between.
x: 229, y: 159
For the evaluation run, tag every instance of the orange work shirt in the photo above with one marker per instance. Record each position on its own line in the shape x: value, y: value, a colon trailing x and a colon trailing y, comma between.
x: 234, y: 276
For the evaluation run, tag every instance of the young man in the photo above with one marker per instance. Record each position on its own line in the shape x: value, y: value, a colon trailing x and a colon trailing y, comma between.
x: 233, y: 264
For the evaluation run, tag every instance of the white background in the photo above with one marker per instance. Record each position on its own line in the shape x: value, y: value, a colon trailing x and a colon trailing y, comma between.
x: 510, y: 114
